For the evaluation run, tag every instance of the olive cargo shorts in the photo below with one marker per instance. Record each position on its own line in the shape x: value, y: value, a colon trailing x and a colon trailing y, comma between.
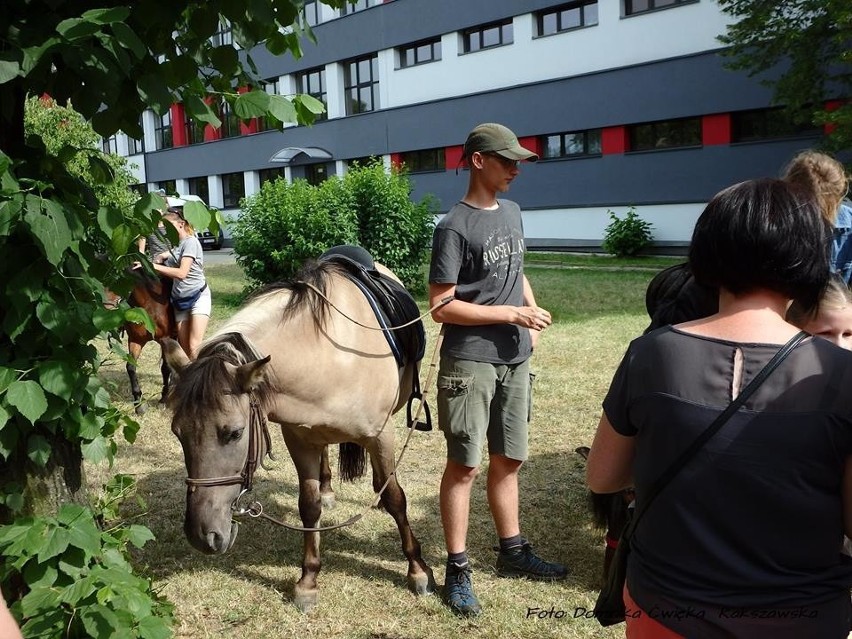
x: 478, y: 400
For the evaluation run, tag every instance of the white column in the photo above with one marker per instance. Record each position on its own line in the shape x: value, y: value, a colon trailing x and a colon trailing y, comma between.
x: 522, y: 27
x: 326, y: 13
x: 149, y: 125
x: 334, y: 90
x: 340, y: 168
x: 252, y: 182
x: 386, y: 66
x: 288, y: 87
x: 214, y: 186
x: 288, y: 174
x: 182, y: 186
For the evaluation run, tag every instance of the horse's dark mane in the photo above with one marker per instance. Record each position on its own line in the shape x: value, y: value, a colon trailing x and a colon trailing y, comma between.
x: 206, y: 381
x: 314, y: 273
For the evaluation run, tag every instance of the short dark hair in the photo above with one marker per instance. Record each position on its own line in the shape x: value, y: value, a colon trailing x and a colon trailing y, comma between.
x: 763, y: 233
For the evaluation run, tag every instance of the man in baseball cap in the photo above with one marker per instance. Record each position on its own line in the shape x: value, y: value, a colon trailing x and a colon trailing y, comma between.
x: 489, y: 328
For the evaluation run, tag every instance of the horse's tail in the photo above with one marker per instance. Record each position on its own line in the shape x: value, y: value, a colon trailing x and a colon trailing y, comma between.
x: 352, y: 461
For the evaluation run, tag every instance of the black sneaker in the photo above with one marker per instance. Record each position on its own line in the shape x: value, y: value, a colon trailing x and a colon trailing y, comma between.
x: 521, y: 561
x: 458, y: 591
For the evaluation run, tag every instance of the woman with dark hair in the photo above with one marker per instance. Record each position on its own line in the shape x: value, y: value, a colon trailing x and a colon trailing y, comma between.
x: 745, y: 541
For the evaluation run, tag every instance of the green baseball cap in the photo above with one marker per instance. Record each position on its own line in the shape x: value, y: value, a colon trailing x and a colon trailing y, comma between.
x: 496, y: 138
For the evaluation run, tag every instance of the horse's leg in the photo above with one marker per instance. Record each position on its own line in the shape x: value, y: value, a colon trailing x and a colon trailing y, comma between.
x: 420, y: 579
x: 326, y: 491
x: 166, y: 372
x: 307, y: 459
x: 134, y: 348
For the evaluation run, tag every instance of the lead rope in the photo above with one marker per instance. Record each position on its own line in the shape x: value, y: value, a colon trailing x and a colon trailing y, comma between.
x: 256, y: 508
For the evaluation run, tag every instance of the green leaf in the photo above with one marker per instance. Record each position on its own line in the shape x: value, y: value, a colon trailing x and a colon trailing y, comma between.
x: 139, y: 535
x: 101, y: 171
x: 282, y: 108
x: 38, y: 450
x: 253, y: 104
x: 77, y: 592
x: 9, y: 70
x: 8, y: 434
x: 15, y: 502
x: 197, y: 215
x: 55, y: 542
x: 152, y: 627
x: 7, y: 376
x: 122, y: 237
x: 225, y: 60
x: 140, y: 316
x: 91, y: 425
x: 154, y: 92
x: 39, y: 575
x: 129, y: 40
x: 74, y: 561
x: 200, y: 110
x: 311, y: 103
x: 107, y: 320
x: 77, y: 28
x: 57, y: 377
x: 38, y: 600
x: 96, y: 450
x: 85, y: 536
x: 49, y: 229
x: 69, y: 514
x: 107, y: 16
x: 28, y: 398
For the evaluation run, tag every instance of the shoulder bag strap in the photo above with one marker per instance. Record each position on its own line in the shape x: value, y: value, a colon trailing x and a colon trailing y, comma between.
x: 712, y: 429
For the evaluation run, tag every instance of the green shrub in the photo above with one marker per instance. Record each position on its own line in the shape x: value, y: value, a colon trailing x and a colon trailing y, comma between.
x: 628, y: 235
x: 395, y: 230
x: 285, y: 224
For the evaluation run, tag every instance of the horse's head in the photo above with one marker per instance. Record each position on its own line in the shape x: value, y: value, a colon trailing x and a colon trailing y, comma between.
x: 217, y: 404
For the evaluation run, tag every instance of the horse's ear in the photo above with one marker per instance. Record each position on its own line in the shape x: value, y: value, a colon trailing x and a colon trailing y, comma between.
x: 174, y: 355
x: 248, y: 376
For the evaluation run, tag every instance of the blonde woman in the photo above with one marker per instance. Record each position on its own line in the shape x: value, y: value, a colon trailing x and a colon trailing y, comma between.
x: 826, y: 178
x: 191, y: 297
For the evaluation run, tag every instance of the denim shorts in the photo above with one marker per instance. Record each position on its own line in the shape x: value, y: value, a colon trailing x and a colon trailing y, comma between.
x: 203, y: 306
x: 479, y: 401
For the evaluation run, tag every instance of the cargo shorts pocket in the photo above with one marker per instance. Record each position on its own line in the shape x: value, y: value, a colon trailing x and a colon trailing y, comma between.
x: 453, y: 395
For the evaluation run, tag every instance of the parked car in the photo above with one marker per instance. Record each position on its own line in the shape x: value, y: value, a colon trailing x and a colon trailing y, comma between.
x: 207, y: 239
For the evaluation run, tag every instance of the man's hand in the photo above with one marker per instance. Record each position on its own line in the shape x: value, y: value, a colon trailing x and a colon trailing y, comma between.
x: 533, y: 317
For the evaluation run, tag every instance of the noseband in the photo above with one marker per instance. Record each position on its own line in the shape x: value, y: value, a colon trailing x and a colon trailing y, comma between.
x: 258, y: 432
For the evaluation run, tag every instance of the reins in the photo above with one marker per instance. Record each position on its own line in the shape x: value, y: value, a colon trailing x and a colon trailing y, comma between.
x: 259, y: 430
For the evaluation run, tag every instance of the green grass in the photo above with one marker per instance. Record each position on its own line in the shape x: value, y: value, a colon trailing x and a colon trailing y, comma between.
x: 247, y: 593
x: 653, y: 262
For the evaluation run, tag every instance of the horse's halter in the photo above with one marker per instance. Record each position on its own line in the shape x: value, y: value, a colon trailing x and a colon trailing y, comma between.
x: 259, y: 445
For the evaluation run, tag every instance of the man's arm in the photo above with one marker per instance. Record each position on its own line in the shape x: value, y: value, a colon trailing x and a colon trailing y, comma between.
x: 468, y: 314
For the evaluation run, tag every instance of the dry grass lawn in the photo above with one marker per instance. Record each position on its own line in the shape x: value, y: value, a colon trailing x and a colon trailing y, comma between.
x: 247, y: 592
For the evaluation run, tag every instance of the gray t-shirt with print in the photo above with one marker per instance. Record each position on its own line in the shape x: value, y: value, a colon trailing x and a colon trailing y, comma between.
x: 481, y: 251
x: 194, y: 280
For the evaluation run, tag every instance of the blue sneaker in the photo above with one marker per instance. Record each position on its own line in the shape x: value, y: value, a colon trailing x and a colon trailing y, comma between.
x: 521, y: 561
x: 458, y: 591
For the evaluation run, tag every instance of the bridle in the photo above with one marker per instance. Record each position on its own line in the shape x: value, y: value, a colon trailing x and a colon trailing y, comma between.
x: 259, y: 445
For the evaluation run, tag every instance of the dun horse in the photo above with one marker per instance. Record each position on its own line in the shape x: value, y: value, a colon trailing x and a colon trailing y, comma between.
x: 290, y: 357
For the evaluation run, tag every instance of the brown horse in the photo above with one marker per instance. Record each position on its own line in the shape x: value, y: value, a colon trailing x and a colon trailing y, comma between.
x: 296, y: 355
x: 152, y: 294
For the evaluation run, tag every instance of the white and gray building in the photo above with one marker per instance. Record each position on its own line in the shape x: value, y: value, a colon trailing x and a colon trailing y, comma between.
x: 628, y: 103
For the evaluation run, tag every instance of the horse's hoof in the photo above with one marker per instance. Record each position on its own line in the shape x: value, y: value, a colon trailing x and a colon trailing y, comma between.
x: 423, y: 583
x: 141, y: 407
x: 328, y: 501
x: 306, y: 600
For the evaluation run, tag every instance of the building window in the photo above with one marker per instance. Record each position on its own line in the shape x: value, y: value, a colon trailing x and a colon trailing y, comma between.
x: 223, y: 35
x: 490, y: 35
x: 419, y: 53
x: 576, y: 143
x: 200, y: 187
x: 135, y: 146
x: 665, y: 135
x: 110, y: 145
x: 194, y: 130
x: 163, y: 131
x: 230, y: 122
x: 361, y: 84
x: 424, y: 160
x: 139, y: 189
x: 353, y: 7
x: 632, y: 7
x: 269, y: 175
x: 169, y: 187
x: 233, y: 189
x: 766, y: 124
x: 316, y: 174
x: 312, y: 82
x: 566, y: 17
x: 312, y: 13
